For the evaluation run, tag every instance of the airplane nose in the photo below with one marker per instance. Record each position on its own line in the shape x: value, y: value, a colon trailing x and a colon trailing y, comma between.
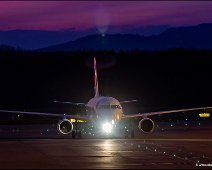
x: 106, y: 115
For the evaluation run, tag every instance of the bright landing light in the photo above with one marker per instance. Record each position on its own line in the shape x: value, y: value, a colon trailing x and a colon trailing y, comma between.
x: 107, y: 127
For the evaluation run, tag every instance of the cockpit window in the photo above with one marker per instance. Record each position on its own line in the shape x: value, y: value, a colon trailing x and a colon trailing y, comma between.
x: 109, y: 107
x: 115, y: 107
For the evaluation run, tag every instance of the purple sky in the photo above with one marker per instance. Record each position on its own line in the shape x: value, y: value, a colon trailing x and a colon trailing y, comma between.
x: 56, y: 15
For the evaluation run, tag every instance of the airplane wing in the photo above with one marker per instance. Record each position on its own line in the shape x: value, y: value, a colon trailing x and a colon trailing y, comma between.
x: 164, y: 112
x: 71, y: 103
x: 81, y: 117
x: 128, y: 101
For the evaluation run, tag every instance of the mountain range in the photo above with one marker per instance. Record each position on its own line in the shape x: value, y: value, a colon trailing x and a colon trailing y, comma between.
x: 191, y: 37
x: 35, y: 39
x: 128, y: 38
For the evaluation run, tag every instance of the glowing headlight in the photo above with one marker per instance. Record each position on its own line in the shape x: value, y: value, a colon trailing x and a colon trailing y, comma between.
x: 107, y: 127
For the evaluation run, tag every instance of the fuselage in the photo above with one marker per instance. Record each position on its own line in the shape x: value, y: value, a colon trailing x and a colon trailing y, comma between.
x: 106, y: 109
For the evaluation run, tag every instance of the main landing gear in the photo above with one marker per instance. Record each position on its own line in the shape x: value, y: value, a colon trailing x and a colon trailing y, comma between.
x: 130, y: 134
x: 76, y: 133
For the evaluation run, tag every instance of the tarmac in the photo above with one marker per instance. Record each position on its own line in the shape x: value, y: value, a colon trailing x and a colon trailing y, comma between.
x: 168, y: 149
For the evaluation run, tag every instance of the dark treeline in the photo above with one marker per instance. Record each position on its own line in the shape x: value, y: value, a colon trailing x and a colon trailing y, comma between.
x: 160, y: 80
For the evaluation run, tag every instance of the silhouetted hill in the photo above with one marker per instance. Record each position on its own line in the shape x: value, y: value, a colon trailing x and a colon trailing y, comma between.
x: 192, y: 37
x: 33, y: 39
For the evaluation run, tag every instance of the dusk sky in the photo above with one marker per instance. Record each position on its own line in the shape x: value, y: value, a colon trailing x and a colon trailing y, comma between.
x: 82, y: 15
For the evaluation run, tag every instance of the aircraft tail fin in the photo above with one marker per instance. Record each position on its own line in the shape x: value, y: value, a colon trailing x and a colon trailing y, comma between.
x: 96, y: 88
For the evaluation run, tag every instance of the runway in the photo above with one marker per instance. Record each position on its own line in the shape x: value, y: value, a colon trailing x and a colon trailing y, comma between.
x: 104, y: 153
x: 176, y: 148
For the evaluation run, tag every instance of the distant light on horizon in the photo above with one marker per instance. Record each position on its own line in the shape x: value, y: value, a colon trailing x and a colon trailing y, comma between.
x: 102, y: 20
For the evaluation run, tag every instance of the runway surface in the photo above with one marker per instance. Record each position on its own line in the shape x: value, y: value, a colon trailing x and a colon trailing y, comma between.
x: 166, y: 149
x: 104, y: 153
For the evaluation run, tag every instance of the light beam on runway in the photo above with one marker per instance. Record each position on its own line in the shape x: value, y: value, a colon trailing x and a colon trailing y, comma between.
x: 107, y: 145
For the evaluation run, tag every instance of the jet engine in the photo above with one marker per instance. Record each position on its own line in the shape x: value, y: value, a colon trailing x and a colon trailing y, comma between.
x: 65, y: 126
x: 146, y: 125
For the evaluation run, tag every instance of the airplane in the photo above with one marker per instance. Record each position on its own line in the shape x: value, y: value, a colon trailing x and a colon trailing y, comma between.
x: 104, y: 112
